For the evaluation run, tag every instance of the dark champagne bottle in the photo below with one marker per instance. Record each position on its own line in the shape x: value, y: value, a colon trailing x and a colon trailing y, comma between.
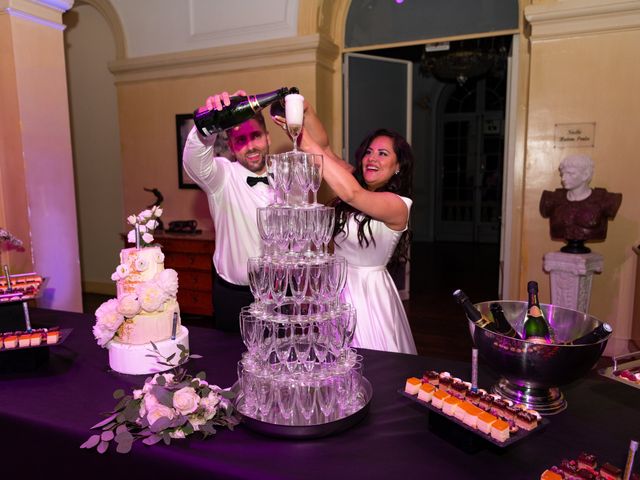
x: 473, y: 313
x: 502, y: 324
x: 536, y: 328
x: 240, y: 109
x: 594, y: 336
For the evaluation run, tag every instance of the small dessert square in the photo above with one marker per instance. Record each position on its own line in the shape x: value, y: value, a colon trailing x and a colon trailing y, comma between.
x: 10, y: 341
x: 484, y: 422
x: 445, y: 383
x: 587, y: 461
x: 459, y: 389
x: 471, y: 418
x: 473, y: 397
x: 53, y: 337
x: 461, y: 410
x: 526, y: 420
x: 412, y: 386
x: 24, y: 340
x: 432, y: 377
x: 450, y: 404
x: 36, y: 339
x: 426, y: 392
x: 550, y: 475
x: 610, y: 472
x: 500, y: 430
x: 438, y: 398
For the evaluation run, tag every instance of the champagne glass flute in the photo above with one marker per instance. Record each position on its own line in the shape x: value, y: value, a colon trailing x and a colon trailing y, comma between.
x: 326, y: 397
x: 294, y: 112
x: 286, y: 395
x: 303, y: 162
x: 284, y: 176
x: 278, y: 281
x: 298, y: 282
x: 265, y: 396
x: 316, y: 177
x: 306, y: 400
x: 271, y: 162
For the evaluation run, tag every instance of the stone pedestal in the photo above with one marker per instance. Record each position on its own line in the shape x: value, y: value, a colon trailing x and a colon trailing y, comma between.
x: 571, y: 276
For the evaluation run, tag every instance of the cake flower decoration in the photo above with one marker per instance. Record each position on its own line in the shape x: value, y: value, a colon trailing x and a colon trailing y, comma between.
x: 146, y: 222
x: 168, y: 406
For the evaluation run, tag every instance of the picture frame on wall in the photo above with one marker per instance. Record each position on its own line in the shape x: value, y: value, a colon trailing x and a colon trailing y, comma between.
x: 184, y: 123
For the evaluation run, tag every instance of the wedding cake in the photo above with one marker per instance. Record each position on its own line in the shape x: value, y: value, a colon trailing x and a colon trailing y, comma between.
x: 141, y: 327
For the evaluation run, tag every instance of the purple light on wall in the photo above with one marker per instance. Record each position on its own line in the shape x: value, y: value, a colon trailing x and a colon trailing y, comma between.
x: 399, y: 2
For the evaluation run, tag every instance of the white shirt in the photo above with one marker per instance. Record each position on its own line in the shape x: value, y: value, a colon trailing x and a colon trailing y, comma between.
x: 232, y: 203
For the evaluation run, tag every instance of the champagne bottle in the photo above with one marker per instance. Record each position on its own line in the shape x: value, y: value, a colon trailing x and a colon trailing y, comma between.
x: 594, y: 336
x: 473, y: 313
x: 502, y: 324
x: 240, y: 109
x: 536, y: 328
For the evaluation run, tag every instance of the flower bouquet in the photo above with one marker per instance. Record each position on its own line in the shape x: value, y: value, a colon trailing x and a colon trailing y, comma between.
x: 168, y: 406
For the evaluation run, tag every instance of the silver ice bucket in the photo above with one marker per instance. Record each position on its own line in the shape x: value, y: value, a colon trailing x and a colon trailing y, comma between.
x: 530, y: 372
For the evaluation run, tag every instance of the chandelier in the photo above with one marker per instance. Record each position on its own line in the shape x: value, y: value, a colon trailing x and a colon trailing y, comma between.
x: 464, y: 60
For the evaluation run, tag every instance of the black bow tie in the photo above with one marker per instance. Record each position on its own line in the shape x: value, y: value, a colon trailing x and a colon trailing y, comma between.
x: 252, y: 181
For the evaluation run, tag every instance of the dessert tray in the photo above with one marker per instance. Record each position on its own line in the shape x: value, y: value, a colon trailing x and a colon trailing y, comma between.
x: 627, y: 371
x: 64, y: 333
x: 488, y: 416
x: 24, y: 286
x: 513, y: 437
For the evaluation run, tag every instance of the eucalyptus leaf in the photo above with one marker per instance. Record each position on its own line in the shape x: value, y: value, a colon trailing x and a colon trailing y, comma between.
x: 182, y: 348
x: 121, y: 428
x: 102, y: 447
x: 118, y: 394
x: 131, y: 412
x: 155, y: 347
x: 152, y: 439
x: 164, y: 396
x: 166, y: 438
x: 124, y: 437
x: 170, y: 357
x: 124, y: 447
x: 107, y: 436
x: 195, y: 355
x: 121, y: 418
x: 205, y: 392
x: 161, y: 381
x: 160, y: 424
x: 227, y: 394
x: 122, y: 403
x: 105, y: 421
x: 201, y: 375
x: 91, y: 442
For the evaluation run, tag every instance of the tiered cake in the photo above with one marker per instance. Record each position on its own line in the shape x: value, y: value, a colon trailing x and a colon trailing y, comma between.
x: 141, y: 327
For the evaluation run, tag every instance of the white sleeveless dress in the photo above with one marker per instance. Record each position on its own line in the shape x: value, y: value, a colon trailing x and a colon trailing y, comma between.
x: 382, y: 322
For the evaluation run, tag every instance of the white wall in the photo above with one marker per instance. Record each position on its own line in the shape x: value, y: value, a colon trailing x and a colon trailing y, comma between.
x: 165, y: 26
x: 89, y: 46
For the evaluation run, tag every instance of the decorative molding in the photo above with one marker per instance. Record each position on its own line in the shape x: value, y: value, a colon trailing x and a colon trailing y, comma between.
x: 581, y: 17
x: 112, y: 18
x: 42, y: 12
x: 285, y: 26
x: 311, y: 49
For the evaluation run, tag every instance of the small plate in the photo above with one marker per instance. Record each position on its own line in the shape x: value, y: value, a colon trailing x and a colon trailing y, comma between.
x: 513, y: 437
x: 612, y: 372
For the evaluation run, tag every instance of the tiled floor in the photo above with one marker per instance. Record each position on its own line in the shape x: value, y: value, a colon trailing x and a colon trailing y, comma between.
x: 437, y: 322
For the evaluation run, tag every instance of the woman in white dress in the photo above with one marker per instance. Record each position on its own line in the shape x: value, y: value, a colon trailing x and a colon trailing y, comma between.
x: 372, y: 218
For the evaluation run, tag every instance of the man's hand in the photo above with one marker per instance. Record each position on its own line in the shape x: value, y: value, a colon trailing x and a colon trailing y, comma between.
x: 221, y: 100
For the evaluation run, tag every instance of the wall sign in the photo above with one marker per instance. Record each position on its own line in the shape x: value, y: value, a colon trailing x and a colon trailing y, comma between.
x: 574, y: 135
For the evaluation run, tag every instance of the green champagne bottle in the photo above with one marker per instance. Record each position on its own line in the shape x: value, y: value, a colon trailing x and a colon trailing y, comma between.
x: 536, y: 328
x: 502, y: 324
x: 473, y: 313
x: 240, y: 109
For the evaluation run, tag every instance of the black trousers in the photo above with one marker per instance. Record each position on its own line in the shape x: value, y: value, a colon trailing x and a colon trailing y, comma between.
x: 228, y: 299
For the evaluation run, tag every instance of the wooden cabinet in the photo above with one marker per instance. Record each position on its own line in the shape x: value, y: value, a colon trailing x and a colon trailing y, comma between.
x: 191, y: 256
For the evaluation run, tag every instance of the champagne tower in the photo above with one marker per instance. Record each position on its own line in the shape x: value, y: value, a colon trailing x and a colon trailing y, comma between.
x: 299, y: 375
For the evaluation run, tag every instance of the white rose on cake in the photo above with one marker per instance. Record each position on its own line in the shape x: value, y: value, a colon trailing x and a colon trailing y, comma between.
x: 159, y: 257
x: 108, y: 320
x: 122, y: 272
x: 141, y: 264
x: 186, y: 400
x: 151, y: 296
x: 129, y: 306
x: 167, y: 280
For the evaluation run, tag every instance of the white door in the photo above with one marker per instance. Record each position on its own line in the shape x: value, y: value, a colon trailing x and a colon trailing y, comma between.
x: 377, y: 94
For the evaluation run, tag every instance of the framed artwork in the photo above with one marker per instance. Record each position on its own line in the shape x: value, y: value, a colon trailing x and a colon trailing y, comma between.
x: 184, y: 123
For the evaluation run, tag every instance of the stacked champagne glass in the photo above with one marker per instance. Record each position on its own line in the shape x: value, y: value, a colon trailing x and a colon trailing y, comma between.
x: 299, y: 368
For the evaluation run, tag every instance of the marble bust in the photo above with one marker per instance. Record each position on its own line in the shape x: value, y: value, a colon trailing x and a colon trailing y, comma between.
x: 577, y: 212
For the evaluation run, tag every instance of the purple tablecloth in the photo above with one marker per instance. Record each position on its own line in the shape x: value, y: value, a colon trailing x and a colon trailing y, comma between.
x: 45, y: 415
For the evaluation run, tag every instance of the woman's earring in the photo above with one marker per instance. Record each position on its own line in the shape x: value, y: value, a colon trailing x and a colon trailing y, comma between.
x: 397, y: 172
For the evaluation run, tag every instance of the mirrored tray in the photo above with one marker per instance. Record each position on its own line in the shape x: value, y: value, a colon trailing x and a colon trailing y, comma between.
x: 64, y: 333
x: 630, y: 364
x: 307, y: 431
x: 513, y: 438
x: 20, y: 296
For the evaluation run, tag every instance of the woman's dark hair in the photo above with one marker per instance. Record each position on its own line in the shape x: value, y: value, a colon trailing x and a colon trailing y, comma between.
x: 400, y: 184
